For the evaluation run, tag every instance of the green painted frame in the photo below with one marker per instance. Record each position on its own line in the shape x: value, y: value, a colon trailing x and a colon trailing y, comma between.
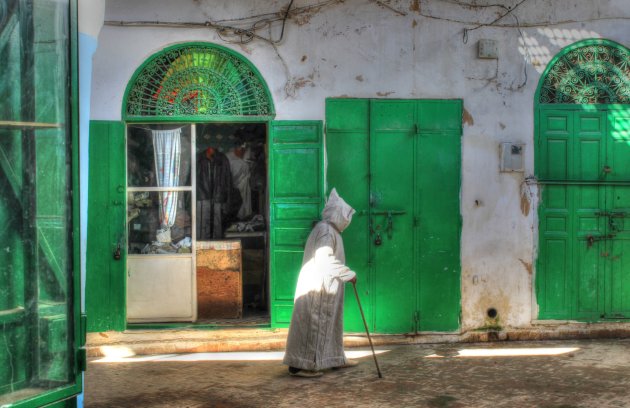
x: 199, y: 117
x: 539, y: 107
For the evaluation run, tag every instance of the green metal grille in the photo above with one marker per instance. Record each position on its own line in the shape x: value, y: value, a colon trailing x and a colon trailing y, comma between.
x: 594, y: 73
x: 197, y: 80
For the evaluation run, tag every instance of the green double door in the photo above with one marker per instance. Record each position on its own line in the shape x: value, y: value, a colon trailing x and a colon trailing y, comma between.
x: 397, y: 162
x: 583, y: 164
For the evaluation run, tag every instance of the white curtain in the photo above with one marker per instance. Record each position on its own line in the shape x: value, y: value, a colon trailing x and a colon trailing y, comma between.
x: 167, y: 152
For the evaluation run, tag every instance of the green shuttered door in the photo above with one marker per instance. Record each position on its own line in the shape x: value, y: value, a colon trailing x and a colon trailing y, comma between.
x: 296, y: 188
x: 583, y: 158
x: 398, y: 163
x: 106, y: 276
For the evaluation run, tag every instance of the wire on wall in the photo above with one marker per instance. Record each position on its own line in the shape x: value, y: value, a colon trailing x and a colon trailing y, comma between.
x: 509, y: 10
x: 230, y: 31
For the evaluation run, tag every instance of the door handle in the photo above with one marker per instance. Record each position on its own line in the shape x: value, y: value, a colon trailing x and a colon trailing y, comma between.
x: 117, y: 255
x: 388, y: 212
x: 591, y: 239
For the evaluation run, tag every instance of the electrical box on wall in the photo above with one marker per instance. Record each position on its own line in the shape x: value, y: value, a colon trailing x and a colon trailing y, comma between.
x: 487, y: 49
x: 512, y: 157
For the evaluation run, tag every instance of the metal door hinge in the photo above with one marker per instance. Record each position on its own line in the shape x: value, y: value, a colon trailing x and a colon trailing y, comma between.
x: 83, y: 329
x: 416, y: 320
x: 82, y: 359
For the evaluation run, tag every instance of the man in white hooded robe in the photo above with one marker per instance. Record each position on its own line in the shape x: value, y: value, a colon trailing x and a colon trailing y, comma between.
x: 315, y: 340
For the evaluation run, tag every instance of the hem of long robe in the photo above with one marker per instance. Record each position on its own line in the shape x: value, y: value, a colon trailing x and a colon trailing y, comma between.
x: 304, y: 364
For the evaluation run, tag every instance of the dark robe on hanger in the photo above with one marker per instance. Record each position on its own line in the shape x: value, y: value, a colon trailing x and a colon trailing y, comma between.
x: 215, y: 195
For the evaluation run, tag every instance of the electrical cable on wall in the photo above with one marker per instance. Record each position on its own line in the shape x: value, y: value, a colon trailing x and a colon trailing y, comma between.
x: 226, y: 28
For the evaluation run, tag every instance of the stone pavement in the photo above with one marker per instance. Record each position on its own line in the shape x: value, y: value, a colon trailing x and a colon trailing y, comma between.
x: 541, y: 374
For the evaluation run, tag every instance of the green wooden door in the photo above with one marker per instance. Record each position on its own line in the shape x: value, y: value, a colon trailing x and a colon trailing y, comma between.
x: 582, y: 165
x: 296, y: 187
x: 106, y: 277
x: 618, y: 217
x: 398, y: 163
x: 391, y: 215
x: 437, y: 212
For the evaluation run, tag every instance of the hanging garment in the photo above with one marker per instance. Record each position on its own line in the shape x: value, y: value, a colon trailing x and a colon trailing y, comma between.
x: 167, y: 154
x: 209, y: 220
x: 315, y: 340
x: 240, y: 177
x: 214, y: 185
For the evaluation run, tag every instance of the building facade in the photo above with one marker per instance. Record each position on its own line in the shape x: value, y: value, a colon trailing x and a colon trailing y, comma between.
x: 484, y: 146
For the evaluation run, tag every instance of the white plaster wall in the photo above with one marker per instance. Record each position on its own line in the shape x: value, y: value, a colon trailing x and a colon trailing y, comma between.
x: 402, y: 49
x: 91, y: 16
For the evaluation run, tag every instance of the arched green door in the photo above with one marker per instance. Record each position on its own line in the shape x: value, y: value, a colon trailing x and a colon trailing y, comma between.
x: 582, y: 129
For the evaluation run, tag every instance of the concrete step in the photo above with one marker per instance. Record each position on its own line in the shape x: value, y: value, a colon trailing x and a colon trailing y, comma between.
x: 177, y: 341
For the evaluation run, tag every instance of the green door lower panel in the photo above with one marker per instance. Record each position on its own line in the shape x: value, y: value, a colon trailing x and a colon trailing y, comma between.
x: 296, y: 187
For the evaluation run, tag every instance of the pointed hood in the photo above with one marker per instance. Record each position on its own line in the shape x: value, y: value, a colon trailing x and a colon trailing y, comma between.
x: 337, y: 211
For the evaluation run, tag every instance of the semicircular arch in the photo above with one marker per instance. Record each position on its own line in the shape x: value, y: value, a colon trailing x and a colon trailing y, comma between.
x: 197, y: 81
x: 587, y: 72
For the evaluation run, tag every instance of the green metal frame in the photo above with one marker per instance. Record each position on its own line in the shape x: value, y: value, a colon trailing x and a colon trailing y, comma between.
x: 248, y: 72
x: 539, y: 107
x: 79, y: 357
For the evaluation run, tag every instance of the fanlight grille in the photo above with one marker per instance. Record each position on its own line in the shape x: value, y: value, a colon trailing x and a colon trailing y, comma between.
x: 197, y: 80
x: 589, y: 74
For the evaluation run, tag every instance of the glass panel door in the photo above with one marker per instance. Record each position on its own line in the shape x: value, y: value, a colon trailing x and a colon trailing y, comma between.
x: 160, y: 170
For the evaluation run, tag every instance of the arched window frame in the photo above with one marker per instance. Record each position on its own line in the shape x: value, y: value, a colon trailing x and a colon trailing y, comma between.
x: 585, y: 75
x: 238, y: 83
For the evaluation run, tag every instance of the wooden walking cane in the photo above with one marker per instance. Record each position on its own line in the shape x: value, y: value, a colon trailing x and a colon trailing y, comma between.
x: 354, y: 286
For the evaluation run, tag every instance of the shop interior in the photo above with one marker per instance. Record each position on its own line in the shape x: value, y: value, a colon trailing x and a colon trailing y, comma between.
x: 223, y: 168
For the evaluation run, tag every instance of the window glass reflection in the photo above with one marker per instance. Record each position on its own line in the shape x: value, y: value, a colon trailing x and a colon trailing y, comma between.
x: 158, y: 156
x: 159, y: 222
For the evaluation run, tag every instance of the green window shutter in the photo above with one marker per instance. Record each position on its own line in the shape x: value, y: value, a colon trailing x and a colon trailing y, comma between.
x: 296, y: 194
x: 106, y: 277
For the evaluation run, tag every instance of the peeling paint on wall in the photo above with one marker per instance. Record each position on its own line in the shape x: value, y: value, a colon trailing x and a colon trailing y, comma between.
x: 525, y: 205
x: 467, y: 118
x: 382, y: 94
x: 527, y: 265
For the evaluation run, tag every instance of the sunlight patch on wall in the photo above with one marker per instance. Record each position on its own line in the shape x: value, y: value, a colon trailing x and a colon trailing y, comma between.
x: 537, y: 49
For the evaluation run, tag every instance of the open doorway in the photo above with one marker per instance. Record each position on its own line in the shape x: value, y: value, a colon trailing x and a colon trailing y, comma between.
x: 197, y: 223
x: 232, y: 222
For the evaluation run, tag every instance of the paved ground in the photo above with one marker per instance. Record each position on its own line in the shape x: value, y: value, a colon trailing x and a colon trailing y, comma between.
x: 545, y: 374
